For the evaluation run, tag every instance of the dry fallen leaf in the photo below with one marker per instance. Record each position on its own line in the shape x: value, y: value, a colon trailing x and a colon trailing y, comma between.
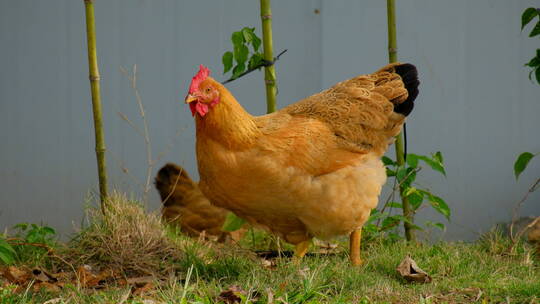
x: 17, y: 275
x: 411, y: 272
x: 137, y: 291
x: 268, y: 264
x: 43, y: 276
x: 50, y: 287
x: 232, y: 295
x: 89, y: 278
x: 54, y: 301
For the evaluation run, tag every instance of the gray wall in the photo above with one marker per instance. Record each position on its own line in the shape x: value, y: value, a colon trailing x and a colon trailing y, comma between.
x: 476, y: 103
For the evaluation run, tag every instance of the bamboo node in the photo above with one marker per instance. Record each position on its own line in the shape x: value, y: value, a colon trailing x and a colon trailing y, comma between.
x: 392, y: 49
x: 266, y: 17
x: 92, y: 77
x: 269, y: 81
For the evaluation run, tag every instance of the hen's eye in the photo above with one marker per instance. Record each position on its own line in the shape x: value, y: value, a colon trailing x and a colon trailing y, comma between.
x: 207, y: 90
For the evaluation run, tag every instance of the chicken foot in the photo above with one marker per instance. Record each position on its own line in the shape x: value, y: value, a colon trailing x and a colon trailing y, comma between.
x: 354, y: 247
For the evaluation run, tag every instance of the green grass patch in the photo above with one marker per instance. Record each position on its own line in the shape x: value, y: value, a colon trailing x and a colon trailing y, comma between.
x: 480, y: 272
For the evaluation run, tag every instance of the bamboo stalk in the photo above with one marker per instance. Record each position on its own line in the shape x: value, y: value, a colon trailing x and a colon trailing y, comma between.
x: 96, y: 101
x: 400, y: 158
x: 269, y: 71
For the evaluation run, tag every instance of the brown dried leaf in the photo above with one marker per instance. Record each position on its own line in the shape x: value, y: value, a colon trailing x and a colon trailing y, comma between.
x: 232, y: 295
x: 269, y: 264
x: 137, y: 291
x: 411, y: 272
x: 43, y: 276
x: 17, y: 275
x: 89, y: 278
x: 50, y: 287
x: 140, y: 280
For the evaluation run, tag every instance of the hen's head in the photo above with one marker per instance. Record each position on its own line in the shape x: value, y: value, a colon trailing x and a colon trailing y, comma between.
x: 203, y: 92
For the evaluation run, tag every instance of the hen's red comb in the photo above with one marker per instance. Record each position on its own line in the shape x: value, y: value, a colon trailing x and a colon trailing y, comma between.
x: 201, y: 75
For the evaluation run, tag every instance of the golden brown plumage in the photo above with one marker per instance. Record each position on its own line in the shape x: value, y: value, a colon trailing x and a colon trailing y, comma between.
x: 186, y: 206
x: 311, y: 169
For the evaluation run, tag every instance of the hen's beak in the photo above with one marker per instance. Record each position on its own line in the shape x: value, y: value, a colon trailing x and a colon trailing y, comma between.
x: 190, y: 98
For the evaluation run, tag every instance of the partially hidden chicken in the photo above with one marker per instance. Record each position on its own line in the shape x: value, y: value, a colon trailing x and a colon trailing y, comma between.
x: 311, y: 169
x: 186, y: 206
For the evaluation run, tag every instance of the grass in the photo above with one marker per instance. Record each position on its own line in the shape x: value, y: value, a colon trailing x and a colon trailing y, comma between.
x: 197, y: 271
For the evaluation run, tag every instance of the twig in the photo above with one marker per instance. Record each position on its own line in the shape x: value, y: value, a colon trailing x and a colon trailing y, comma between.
x: 145, y: 134
x: 520, y: 233
x: 126, y: 170
x: 518, y: 206
x: 395, y: 188
x: 50, y: 250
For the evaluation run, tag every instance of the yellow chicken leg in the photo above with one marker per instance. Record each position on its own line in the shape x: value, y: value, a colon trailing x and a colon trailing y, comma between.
x: 301, y: 250
x: 354, y: 251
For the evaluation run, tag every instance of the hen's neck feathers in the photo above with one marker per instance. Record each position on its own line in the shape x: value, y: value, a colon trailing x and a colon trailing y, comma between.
x: 227, y: 122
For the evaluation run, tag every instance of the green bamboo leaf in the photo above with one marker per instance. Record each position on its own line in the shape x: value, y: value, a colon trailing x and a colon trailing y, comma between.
x: 395, y: 205
x: 255, y: 60
x: 237, y: 38
x: 241, y: 54
x: 387, y: 161
x: 389, y: 222
x: 415, y: 200
x: 406, y: 176
x: 410, y: 191
x: 527, y: 16
x: 536, y: 30
x: 401, y: 173
x: 440, y: 226
x: 434, y: 164
x: 239, y: 69
x: 248, y: 34
x: 255, y: 42
x: 227, y: 60
x: 390, y: 173
x: 438, y: 157
x: 232, y: 222
x: 535, y: 61
x: 412, y: 160
x: 537, y: 73
x: 440, y: 205
x: 521, y: 163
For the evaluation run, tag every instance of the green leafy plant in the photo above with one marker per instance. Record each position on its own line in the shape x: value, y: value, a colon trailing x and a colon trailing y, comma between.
x: 31, y: 242
x: 522, y: 162
x: 383, y: 221
x: 527, y: 17
x: 33, y: 233
x: 241, y: 58
x: 7, y: 252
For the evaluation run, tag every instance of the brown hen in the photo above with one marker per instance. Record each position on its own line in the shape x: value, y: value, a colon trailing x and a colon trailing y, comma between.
x: 312, y: 169
x: 186, y: 206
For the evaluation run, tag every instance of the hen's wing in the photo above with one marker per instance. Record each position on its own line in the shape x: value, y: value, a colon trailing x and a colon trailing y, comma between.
x: 364, y: 112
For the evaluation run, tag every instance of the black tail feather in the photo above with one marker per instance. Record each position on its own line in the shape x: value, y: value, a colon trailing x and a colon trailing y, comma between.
x: 409, y: 75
